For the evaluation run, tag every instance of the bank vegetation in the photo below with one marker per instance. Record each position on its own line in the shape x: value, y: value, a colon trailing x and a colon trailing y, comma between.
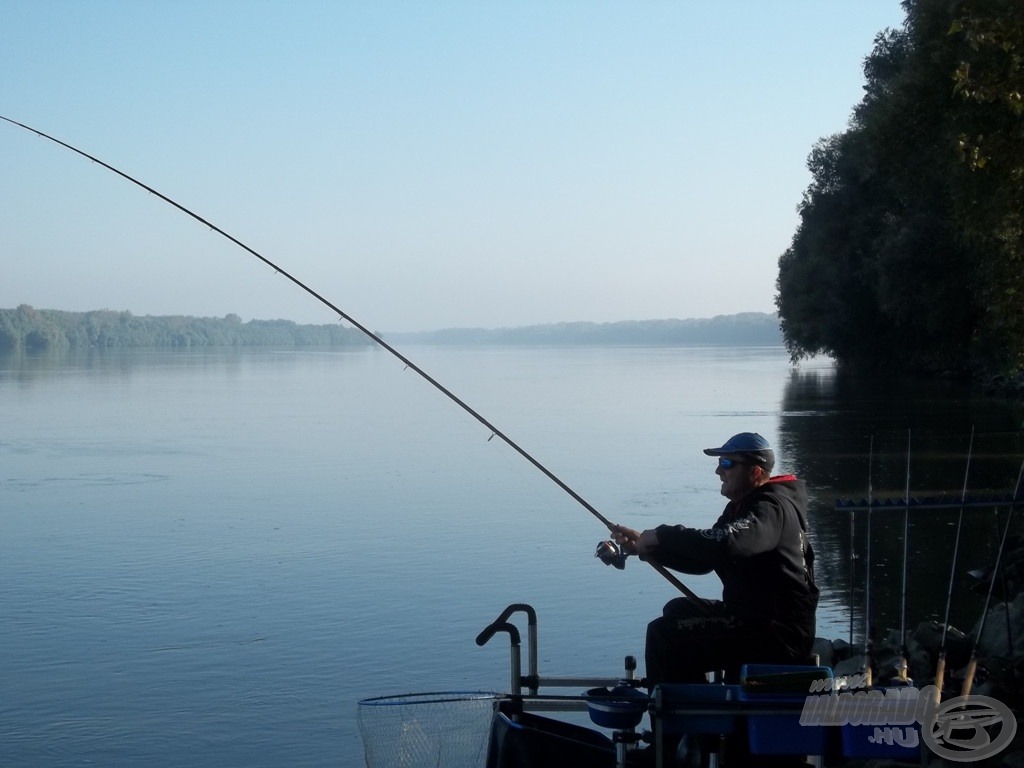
x: 909, y: 254
x: 34, y: 330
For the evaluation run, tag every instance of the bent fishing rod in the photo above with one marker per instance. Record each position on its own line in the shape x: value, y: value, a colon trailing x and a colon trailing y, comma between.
x: 342, y: 315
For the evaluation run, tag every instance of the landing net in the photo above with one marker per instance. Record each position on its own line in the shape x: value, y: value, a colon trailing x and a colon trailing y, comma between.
x: 427, y: 730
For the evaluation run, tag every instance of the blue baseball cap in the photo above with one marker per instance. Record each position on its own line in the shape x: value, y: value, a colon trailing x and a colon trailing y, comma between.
x: 748, y: 443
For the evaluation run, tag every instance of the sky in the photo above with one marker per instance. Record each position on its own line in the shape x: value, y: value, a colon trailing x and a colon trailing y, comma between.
x: 421, y: 165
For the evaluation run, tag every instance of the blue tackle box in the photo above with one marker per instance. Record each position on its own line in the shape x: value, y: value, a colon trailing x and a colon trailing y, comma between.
x: 697, y: 708
x: 774, y: 696
x: 884, y: 723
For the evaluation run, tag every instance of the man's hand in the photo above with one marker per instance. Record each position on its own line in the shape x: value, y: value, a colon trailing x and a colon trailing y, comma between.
x: 640, y: 543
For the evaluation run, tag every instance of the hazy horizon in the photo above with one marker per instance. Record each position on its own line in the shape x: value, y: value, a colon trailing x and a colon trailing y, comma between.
x: 399, y: 330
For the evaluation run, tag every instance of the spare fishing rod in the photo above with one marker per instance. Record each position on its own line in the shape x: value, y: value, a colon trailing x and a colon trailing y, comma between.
x: 902, y: 671
x: 972, y: 665
x: 853, y: 569
x: 342, y: 315
x: 868, y: 671
x: 940, y: 665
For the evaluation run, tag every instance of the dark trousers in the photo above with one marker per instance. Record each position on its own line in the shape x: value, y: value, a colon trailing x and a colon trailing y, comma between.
x: 686, y: 642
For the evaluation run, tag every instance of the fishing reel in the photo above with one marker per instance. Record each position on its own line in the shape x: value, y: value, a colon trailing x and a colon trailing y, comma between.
x: 610, y: 553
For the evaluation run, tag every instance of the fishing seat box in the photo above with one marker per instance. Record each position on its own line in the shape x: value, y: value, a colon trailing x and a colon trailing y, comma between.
x: 774, y: 696
x: 697, y: 708
x: 892, y: 738
x: 527, y: 740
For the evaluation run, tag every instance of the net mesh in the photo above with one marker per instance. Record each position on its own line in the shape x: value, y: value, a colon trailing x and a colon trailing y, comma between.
x: 427, y: 730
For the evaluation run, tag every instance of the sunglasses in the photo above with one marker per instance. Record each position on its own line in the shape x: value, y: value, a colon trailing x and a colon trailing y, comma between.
x: 725, y: 463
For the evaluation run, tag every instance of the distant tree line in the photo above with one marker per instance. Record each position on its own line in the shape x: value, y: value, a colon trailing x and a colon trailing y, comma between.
x: 31, y: 329
x: 910, y: 249
x: 744, y: 329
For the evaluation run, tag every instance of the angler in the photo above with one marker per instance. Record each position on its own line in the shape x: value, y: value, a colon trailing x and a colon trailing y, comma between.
x: 760, y: 550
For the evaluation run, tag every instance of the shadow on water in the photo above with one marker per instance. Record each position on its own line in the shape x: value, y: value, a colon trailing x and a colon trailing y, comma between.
x: 842, y: 431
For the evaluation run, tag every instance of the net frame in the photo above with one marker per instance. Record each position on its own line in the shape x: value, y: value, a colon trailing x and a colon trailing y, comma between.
x: 427, y: 730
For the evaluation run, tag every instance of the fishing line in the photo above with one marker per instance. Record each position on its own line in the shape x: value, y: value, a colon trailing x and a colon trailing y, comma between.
x: 342, y: 315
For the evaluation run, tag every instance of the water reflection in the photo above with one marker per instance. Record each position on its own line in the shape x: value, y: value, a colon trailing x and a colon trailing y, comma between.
x: 31, y: 367
x: 28, y: 367
x: 849, y: 435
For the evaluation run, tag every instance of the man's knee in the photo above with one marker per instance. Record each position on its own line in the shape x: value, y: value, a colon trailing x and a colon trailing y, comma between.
x: 685, y: 608
x: 679, y: 606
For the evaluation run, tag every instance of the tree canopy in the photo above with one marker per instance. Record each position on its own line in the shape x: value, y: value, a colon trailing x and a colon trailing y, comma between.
x: 909, y: 252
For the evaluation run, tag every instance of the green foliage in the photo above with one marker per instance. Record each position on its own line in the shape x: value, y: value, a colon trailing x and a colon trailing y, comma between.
x: 989, y: 80
x: 908, y: 253
x: 992, y: 72
x: 30, y: 329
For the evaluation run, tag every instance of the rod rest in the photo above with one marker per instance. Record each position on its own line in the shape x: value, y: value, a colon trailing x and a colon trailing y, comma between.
x: 531, y: 614
x: 501, y: 623
x: 499, y: 626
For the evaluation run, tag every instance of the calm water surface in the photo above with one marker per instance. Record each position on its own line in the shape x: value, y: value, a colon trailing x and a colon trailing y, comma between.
x: 209, y: 557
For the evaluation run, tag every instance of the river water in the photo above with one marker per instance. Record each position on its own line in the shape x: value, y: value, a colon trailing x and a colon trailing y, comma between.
x: 208, y: 557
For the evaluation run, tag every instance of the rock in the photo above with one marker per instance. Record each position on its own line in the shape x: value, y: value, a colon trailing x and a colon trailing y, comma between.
x: 825, y: 651
x: 1000, y: 656
x: 1003, y: 625
x: 851, y: 666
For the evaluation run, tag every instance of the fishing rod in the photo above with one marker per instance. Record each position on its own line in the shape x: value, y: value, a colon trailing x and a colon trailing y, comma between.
x: 867, y: 579
x: 495, y: 432
x: 940, y: 665
x: 853, y: 563
x: 902, y: 676
x: 972, y: 665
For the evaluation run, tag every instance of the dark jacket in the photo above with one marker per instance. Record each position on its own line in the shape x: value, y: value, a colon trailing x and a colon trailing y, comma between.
x: 760, y: 551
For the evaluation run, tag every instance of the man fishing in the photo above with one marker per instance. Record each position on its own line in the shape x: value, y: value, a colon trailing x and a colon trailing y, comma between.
x: 760, y: 551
